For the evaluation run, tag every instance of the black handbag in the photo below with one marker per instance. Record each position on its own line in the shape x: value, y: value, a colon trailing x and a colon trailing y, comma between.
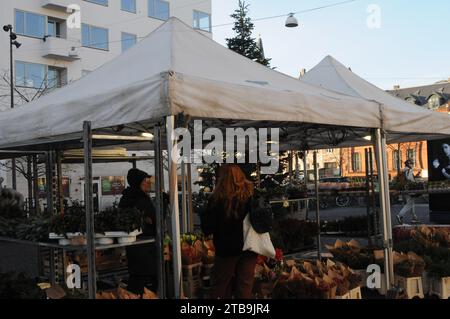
x: 261, y: 216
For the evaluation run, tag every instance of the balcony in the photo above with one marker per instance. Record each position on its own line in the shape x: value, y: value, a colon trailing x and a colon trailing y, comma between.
x: 57, y: 5
x: 60, y: 49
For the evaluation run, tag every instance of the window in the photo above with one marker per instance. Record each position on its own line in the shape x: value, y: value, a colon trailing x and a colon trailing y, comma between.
x: 202, y: 21
x: 411, y: 154
x: 38, y: 76
x: 128, y: 40
x: 101, y: 2
x: 129, y: 5
x: 330, y: 151
x: 55, y: 77
x: 54, y: 28
x: 330, y: 165
x: 30, y: 24
x: 158, y: 9
x: 94, y: 37
x: 356, y: 162
x: 396, y: 160
x: 30, y: 74
x: 434, y: 102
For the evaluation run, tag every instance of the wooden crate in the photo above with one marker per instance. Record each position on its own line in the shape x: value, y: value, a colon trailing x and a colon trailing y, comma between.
x: 355, y: 293
x: 440, y: 287
x: 413, y: 286
x: 193, y: 271
x: 346, y: 296
x: 192, y: 288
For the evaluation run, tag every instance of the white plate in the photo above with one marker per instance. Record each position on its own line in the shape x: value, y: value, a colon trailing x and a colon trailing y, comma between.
x: 104, y: 241
x: 64, y: 242
x: 126, y: 240
x: 73, y: 235
x: 55, y: 236
x: 122, y: 233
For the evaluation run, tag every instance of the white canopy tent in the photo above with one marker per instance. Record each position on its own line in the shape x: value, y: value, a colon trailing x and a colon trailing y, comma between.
x: 176, y: 70
x: 397, y: 115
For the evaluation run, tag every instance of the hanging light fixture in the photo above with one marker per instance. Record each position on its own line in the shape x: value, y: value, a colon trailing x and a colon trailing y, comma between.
x: 291, y: 21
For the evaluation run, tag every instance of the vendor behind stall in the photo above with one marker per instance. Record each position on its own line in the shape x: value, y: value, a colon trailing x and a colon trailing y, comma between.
x: 142, y: 262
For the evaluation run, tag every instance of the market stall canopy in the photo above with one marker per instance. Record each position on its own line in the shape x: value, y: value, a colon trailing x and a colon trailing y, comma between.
x: 398, y: 115
x: 174, y: 70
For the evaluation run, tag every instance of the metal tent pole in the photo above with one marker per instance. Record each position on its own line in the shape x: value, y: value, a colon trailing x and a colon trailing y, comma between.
x: 49, y: 178
x: 316, y: 182
x: 160, y: 227
x: 387, y: 199
x: 189, y: 194
x: 30, y: 183
x: 184, y: 216
x: 60, y: 183
x: 174, y: 204
x: 381, y: 181
x: 36, y: 205
x: 89, y: 203
x: 369, y: 228
x: 305, y: 179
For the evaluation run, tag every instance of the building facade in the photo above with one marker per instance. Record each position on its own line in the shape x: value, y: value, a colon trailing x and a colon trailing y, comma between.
x: 63, y: 40
x: 435, y: 97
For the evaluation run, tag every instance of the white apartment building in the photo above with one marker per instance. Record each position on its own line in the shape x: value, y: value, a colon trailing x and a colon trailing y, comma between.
x: 62, y: 40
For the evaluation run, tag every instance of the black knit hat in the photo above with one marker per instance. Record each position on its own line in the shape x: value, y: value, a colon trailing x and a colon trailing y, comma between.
x: 136, y: 176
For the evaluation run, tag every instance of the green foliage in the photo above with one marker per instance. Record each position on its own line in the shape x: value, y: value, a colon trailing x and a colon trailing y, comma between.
x: 11, y: 204
x: 348, y: 224
x: 243, y: 43
x: 437, y: 259
x: 34, y: 229
x: 292, y: 234
x: 119, y: 219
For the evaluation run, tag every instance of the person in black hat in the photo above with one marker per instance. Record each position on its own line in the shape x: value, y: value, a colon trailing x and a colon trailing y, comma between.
x: 142, y: 263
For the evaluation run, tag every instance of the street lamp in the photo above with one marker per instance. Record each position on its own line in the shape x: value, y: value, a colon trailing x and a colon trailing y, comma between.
x: 291, y: 21
x: 12, y: 42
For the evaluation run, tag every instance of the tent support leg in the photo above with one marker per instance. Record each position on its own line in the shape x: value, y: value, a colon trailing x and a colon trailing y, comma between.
x: 305, y: 179
x: 316, y: 182
x: 189, y: 194
x: 174, y: 205
x: 160, y: 227
x: 49, y: 178
x: 89, y: 203
x: 184, y: 213
x: 385, y: 211
x: 36, y: 205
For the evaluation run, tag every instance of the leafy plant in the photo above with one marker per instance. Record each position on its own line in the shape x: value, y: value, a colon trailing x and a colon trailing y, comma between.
x: 292, y: 234
x: 119, y: 219
x: 34, y: 229
x: 11, y: 204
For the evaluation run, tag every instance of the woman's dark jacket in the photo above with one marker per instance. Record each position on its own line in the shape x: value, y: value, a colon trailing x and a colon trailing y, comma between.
x: 141, y: 258
x: 228, y: 233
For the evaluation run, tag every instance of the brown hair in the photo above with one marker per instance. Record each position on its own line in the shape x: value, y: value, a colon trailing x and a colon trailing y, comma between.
x: 233, y: 189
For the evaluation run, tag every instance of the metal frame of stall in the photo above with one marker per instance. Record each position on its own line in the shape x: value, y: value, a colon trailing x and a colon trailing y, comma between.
x: 170, y: 125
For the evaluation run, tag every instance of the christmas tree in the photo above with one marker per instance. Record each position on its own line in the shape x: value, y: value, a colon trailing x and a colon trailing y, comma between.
x: 243, y: 43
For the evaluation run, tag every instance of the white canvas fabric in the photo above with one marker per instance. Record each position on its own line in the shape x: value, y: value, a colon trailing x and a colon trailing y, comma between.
x: 176, y: 69
x: 205, y: 80
x: 398, y: 115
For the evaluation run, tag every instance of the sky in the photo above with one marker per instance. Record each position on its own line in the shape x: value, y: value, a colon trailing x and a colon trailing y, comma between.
x: 408, y: 45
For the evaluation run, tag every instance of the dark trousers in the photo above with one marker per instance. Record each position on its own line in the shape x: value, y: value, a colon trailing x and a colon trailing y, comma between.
x: 233, y: 273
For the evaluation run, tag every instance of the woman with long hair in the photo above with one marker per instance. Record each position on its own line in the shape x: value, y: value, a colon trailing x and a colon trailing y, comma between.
x: 234, y: 269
